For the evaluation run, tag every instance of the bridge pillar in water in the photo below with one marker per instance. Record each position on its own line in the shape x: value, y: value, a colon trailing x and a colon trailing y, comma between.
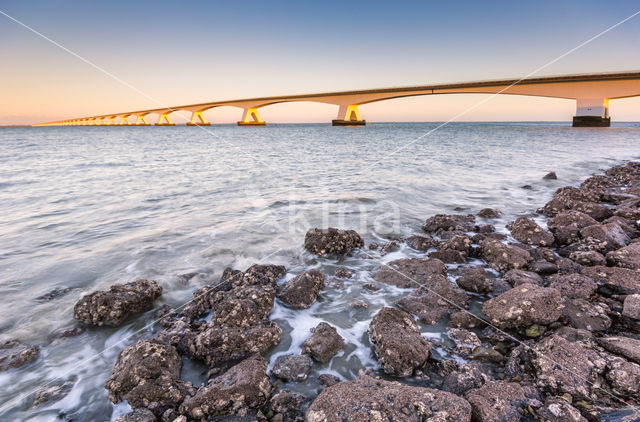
x: 111, y: 120
x: 164, y: 120
x: 251, y: 117
x: 141, y: 120
x: 198, y: 119
x: 124, y: 121
x: 592, y: 112
x: 349, y: 115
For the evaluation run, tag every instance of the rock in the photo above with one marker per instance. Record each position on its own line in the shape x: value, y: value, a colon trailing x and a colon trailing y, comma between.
x: 568, y: 367
x: 343, y: 273
x: 524, y: 306
x: 487, y: 354
x: 473, y: 279
x: 557, y: 409
x: 529, y: 232
x: 446, y: 222
x: 460, y: 243
x: 464, y: 319
x: 373, y: 246
x: 497, y: 401
x: 422, y: 243
x: 489, y: 213
x: 550, y: 176
x: 324, y: 343
x: 244, y: 386
x: 503, y: 257
x: 449, y: 256
x: 147, y: 374
x: 302, y: 290
x: 399, y: 345
x: 138, y: 415
x: 627, y: 257
x: 619, y: 280
x: 358, y: 304
x: 588, y: 258
x: 410, y: 272
x: 370, y: 399
x: 624, y: 346
x: 14, y: 354
x: 464, y: 339
x: 624, y: 377
x: 287, y: 403
x: 567, y: 266
x: 54, y: 294
x: 584, y: 315
x: 332, y: 241
x: 574, y: 286
x: 434, y: 301
x: 632, y: 307
x: 292, y: 367
x: 113, y: 306
x: 327, y: 380
x: 390, y: 246
x: 526, y: 187
x: 518, y: 277
x: 543, y: 267
x: 465, y: 377
x: 611, y: 234
x: 52, y: 393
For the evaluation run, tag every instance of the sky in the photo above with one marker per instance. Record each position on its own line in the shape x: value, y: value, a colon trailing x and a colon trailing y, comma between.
x: 172, y: 53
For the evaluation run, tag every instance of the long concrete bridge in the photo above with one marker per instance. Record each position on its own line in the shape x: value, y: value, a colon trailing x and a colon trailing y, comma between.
x: 592, y: 93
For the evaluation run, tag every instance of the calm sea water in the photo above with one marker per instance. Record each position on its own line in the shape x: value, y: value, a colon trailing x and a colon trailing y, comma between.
x: 84, y: 208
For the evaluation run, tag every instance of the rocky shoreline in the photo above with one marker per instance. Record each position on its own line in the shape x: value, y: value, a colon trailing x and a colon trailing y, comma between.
x: 557, y: 338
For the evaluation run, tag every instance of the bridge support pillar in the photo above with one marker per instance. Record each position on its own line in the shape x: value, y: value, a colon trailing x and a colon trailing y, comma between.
x: 197, y: 119
x: 164, y: 120
x: 251, y: 117
x: 592, y: 112
x: 124, y: 121
x: 349, y: 115
x: 141, y: 120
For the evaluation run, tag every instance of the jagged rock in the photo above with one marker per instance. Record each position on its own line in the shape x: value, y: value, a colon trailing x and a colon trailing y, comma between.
x: 343, y: 273
x: 302, y: 290
x: 422, y: 243
x: 597, y: 211
x: 410, y: 272
x: 529, y: 232
x: 446, y: 222
x: 632, y: 307
x: 332, y: 241
x: 460, y: 243
x: 327, y: 380
x: 489, y: 213
x: 463, y: 378
x: 588, y: 258
x: 574, y: 286
x: 567, y: 225
x: 557, y: 409
x: 627, y: 257
x: 449, y: 256
x: 612, y: 234
x: 623, y: 346
x: 465, y: 340
x: 370, y: 399
x: 464, y: 319
x: 390, y: 246
x: 147, y: 374
x: 550, y: 176
x: 584, y: 315
x: 473, y: 279
x: 52, y: 393
x: 138, y: 415
x: 524, y: 306
x: 503, y: 257
x: 619, y: 280
x: 433, y: 302
x: 288, y: 404
x: 518, y: 277
x: 543, y: 267
x: 624, y: 376
x: 399, y: 345
x: 567, y: 266
x: 14, y: 354
x: 244, y: 386
x: 113, y: 306
x: 497, y: 401
x: 292, y: 367
x: 324, y: 343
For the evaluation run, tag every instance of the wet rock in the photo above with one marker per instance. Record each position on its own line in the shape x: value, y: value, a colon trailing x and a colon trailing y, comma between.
x: 567, y: 266
x: 324, y: 343
x: 624, y: 346
x: 503, y: 257
x: 113, y: 306
x: 526, y: 187
x: 557, y: 409
x: 422, y: 243
x: 390, y: 246
x: 524, y: 306
x: 302, y: 290
x: 332, y: 241
x: 447, y: 222
x: 518, y: 277
x: 624, y: 377
x: 464, y: 339
x: 54, y: 294
x: 463, y: 319
x: 584, y: 315
x: 627, y: 257
x: 460, y: 243
x: 554, y: 207
x: 543, y: 267
x: 489, y: 213
x: 52, y: 393
x: 327, y: 380
x: 618, y: 280
x: 449, y: 256
x: 632, y: 307
x: 244, y: 386
x: 574, y: 286
x: 371, y: 287
x: 553, y: 357
x: 292, y: 367
x: 473, y: 279
x: 463, y: 378
x: 597, y: 211
x: 14, y: 354
x: 529, y: 232
x: 343, y: 273
x: 373, y: 246
x: 370, y: 399
x: 434, y: 301
x: 147, y: 374
x: 497, y: 401
x: 588, y: 258
x: 487, y: 354
x: 138, y: 415
x: 611, y: 234
x: 399, y: 345
x: 358, y: 304
x: 410, y: 272
x: 288, y: 404
x: 550, y: 176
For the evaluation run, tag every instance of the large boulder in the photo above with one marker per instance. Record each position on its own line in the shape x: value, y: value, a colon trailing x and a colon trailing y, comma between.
x: 566, y: 226
x: 624, y: 346
x: 497, y: 401
x: 473, y: 279
x: 399, y: 345
x: 14, y: 354
x: 370, y: 399
x: 302, y: 290
x: 324, y: 343
x: 410, y: 272
x: 292, y: 367
x: 631, y: 307
x: 621, y: 281
x: 449, y: 222
x: 612, y: 234
x: 585, y: 315
x: 624, y: 377
x: 503, y: 257
x: 332, y: 241
x: 529, y: 232
x: 523, y: 306
x: 518, y: 277
x: 575, y: 286
x: 113, y: 306
x: 244, y: 386
x: 627, y: 257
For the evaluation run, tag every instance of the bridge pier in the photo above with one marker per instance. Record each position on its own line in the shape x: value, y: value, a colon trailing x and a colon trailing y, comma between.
x: 198, y: 119
x: 141, y: 120
x: 164, y: 120
x: 124, y: 121
x: 251, y: 117
x: 349, y: 115
x: 592, y: 112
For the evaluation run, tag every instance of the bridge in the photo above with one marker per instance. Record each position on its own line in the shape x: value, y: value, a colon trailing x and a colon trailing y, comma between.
x: 592, y: 93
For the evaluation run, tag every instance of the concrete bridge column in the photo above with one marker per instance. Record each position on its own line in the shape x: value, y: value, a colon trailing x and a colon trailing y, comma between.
x: 141, y: 120
x: 198, y: 119
x: 349, y: 115
x: 124, y: 121
x: 99, y: 121
x: 165, y: 120
x: 251, y: 117
x: 592, y: 112
x: 111, y: 120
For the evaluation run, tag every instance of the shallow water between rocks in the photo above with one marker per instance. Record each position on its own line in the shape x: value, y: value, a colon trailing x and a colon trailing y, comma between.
x: 86, y: 207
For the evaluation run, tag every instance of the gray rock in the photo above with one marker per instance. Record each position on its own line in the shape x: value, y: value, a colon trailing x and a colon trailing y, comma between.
x: 138, y: 415
x: 489, y: 213
x: 52, y: 393
x: 435, y: 301
x: 627, y: 257
x: 611, y: 234
x: 422, y: 243
x: 624, y: 346
x: 503, y: 257
x: 446, y: 222
x: 410, y: 272
x: 575, y: 286
x: 449, y: 256
x: 550, y: 176
x: 619, y: 280
x: 324, y: 343
x: 588, y: 258
x: 584, y: 315
x: 557, y: 409
x: 497, y: 401
x: 473, y: 279
x: 463, y: 378
x: 292, y: 367
x: 14, y: 354
x: 624, y: 377
x: 524, y: 306
x: 332, y: 241
x: 288, y: 404
x: 632, y: 307
x: 518, y: 277
x: 302, y: 290
x: 529, y: 232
